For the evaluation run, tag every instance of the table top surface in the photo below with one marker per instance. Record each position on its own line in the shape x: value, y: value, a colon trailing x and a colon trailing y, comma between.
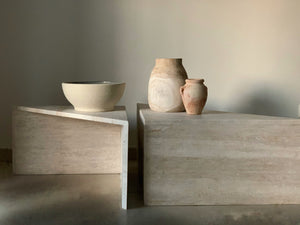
x: 149, y: 116
x: 118, y: 116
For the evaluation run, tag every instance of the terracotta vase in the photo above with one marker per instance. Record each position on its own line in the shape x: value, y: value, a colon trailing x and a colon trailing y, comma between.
x: 167, y: 76
x: 194, y: 95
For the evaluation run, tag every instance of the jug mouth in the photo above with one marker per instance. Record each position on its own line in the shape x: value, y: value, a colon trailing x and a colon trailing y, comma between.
x: 194, y: 80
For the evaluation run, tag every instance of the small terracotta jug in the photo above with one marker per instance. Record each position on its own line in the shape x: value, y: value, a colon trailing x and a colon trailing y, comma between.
x: 194, y: 95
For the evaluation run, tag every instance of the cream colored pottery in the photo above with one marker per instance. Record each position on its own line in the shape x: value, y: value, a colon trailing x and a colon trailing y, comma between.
x: 93, y: 96
x: 194, y: 95
x: 166, y: 78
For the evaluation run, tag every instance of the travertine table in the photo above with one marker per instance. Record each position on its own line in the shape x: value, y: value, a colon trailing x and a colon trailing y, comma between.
x: 219, y: 158
x: 60, y: 140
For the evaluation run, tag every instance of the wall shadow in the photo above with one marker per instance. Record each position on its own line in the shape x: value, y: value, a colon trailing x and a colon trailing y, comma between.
x: 264, y: 101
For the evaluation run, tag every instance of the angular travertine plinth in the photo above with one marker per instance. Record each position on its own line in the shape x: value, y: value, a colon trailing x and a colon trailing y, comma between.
x: 219, y: 158
x: 60, y: 140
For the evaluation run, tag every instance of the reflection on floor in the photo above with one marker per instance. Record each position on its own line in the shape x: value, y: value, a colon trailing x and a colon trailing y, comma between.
x: 95, y: 199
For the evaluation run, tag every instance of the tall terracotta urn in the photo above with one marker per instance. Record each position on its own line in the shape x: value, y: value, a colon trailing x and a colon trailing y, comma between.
x: 167, y: 76
x: 194, y: 95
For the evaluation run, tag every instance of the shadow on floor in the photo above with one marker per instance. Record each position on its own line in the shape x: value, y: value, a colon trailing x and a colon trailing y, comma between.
x: 95, y: 199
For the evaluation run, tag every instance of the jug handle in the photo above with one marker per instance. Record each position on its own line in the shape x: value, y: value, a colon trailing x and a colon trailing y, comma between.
x: 181, y: 90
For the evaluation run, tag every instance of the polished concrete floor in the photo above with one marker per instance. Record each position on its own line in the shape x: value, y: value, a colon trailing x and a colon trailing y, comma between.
x: 95, y: 199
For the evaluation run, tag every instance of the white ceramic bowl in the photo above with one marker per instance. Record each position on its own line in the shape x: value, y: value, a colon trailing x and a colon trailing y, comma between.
x: 95, y: 96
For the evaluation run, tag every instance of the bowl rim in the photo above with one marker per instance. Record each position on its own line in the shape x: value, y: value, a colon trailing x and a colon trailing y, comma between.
x: 93, y: 82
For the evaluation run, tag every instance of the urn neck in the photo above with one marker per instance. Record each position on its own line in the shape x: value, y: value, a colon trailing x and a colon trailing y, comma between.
x: 168, y: 61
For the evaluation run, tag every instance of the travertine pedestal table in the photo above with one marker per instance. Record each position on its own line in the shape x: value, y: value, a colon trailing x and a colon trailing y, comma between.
x: 219, y: 158
x: 60, y: 140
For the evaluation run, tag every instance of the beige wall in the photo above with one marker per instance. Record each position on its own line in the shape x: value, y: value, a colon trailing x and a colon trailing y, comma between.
x: 247, y: 51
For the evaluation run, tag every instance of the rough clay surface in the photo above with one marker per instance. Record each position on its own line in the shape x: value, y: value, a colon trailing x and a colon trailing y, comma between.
x: 165, y: 81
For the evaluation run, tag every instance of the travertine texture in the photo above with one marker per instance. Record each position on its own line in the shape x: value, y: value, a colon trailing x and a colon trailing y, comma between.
x: 59, y: 140
x: 220, y: 158
x: 54, y: 145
